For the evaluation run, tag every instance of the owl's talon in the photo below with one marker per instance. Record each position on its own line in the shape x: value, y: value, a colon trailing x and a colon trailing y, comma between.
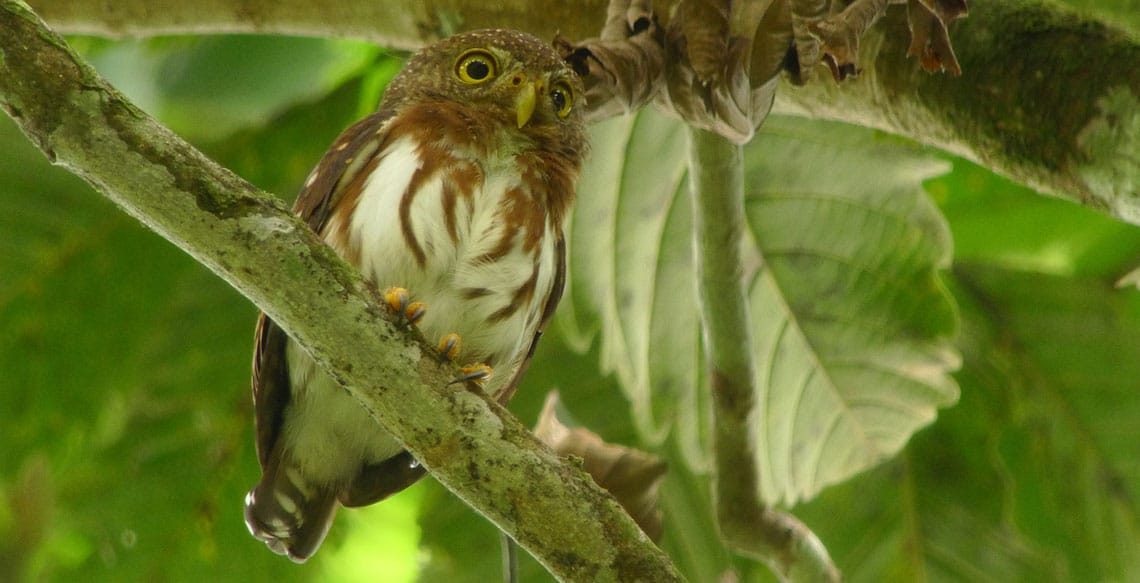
x: 476, y: 373
x: 399, y: 300
x: 415, y: 312
x: 449, y: 346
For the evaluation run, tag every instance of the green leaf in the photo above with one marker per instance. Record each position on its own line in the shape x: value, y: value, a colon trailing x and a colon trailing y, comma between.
x: 381, y: 542
x: 125, y: 367
x: 852, y: 324
x: 1069, y: 349
x: 126, y: 382
x: 204, y: 88
x: 1005, y: 224
x: 1033, y: 476
x: 630, y: 265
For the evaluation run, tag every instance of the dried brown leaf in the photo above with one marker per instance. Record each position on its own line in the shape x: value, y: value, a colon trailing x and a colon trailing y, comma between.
x: 705, y: 30
x: 771, y: 33
x: 929, y: 39
x: 840, y: 35
x: 730, y: 106
x: 716, y: 63
x: 623, y: 69
x: 806, y: 15
x: 631, y: 476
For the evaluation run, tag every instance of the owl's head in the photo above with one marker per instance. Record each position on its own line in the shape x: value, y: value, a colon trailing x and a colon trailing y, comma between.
x: 506, y: 76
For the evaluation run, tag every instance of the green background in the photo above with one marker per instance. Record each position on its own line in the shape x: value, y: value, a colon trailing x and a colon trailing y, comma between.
x: 127, y: 424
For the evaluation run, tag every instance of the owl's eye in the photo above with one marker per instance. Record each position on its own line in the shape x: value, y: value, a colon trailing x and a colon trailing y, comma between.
x: 562, y: 97
x: 476, y: 66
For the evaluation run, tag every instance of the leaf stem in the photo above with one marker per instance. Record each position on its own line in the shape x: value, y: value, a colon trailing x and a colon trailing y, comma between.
x: 716, y: 182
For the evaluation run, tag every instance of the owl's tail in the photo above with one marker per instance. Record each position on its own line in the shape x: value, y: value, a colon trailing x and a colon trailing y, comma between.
x: 288, y: 514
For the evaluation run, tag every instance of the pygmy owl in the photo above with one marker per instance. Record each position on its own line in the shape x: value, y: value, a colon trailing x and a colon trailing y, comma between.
x: 453, y: 195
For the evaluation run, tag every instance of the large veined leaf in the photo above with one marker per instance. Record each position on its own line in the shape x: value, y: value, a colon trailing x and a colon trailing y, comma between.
x: 208, y: 87
x: 851, y: 323
x: 1072, y: 346
x: 1034, y: 475
x: 852, y: 326
x: 630, y: 264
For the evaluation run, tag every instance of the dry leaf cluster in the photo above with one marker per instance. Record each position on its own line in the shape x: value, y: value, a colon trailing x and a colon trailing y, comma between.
x: 716, y: 63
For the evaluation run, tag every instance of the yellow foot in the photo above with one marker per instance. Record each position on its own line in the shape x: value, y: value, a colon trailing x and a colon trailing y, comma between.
x: 400, y: 301
x: 476, y: 373
x: 449, y: 346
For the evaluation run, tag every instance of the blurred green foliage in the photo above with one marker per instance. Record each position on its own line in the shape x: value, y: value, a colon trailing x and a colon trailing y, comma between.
x: 125, y: 413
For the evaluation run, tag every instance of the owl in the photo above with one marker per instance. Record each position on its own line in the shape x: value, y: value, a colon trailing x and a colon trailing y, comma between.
x: 452, y: 198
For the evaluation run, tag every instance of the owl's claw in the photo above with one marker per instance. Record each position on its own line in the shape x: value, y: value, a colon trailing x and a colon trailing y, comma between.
x: 399, y: 300
x: 415, y: 312
x: 449, y: 346
x: 476, y: 373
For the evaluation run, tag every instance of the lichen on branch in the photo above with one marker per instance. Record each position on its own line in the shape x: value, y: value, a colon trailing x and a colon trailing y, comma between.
x: 469, y: 442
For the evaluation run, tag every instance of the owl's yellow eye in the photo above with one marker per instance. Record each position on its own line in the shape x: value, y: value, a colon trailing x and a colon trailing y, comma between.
x: 476, y: 66
x: 562, y: 97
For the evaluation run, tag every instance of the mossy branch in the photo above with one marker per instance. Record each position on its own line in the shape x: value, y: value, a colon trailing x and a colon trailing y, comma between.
x: 472, y: 445
x: 1047, y: 97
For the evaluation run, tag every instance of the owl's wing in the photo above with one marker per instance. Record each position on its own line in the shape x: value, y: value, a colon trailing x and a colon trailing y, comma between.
x: 326, y: 184
x: 270, y: 384
x: 323, y: 190
x: 552, y: 300
x: 379, y: 481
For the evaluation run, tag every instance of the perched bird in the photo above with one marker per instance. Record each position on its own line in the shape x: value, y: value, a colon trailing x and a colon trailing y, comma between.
x: 452, y: 198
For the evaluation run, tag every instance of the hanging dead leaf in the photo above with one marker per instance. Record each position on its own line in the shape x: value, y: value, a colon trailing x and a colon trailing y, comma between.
x: 631, y: 476
x: 716, y: 63
x: 929, y: 39
x: 623, y: 69
x: 706, y: 33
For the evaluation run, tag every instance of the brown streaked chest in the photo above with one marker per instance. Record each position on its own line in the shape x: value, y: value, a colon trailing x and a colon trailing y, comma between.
x: 471, y: 230
x: 447, y: 151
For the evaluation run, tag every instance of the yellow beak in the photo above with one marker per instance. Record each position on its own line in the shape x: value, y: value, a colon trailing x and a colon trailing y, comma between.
x: 525, y: 102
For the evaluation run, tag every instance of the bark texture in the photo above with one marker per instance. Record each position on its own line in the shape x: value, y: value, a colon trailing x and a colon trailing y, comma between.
x: 470, y: 443
x: 1046, y: 97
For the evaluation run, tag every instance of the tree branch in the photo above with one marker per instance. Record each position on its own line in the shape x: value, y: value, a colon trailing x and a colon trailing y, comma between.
x: 1045, y: 97
x: 472, y: 445
x: 716, y: 183
x: 403, y: 24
